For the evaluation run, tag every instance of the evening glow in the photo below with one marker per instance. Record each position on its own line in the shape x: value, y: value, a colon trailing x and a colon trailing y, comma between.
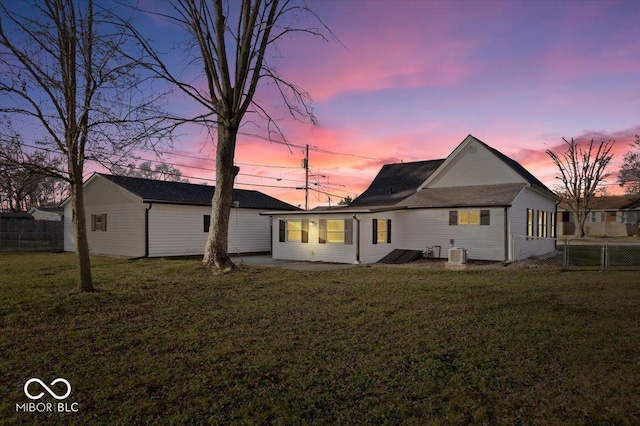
x: 409, y: 80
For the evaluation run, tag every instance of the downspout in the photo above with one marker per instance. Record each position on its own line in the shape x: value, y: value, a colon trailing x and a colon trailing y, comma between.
x: 506, y: 234
x: 146, y: 230
x: 358, y: 240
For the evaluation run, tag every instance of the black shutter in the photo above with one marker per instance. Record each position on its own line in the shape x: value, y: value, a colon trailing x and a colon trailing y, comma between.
x: 453, y: 217
x: 93, y: 222
x: 282, y: 231
x: 375, y: 231
x: 485, y: 217
x: 348, y: 231
x: 305, y: 230
x: 104, y: 222
x: 207, y: 222
x: 389, y: 231
x: 322, y: 231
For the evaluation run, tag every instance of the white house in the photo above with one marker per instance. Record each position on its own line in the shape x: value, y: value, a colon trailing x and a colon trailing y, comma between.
x: 477, y: 199
x: 47, y: 213
x: 136, y: 217
x: 610, y: 216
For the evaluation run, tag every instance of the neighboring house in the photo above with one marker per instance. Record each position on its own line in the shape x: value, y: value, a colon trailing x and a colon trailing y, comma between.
x: 610, y: 216
x: 477, y: 199
x: 47, y: 213
x: 137, y: 217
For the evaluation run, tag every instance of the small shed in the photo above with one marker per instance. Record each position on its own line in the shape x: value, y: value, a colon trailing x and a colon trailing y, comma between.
x: 135, y: 217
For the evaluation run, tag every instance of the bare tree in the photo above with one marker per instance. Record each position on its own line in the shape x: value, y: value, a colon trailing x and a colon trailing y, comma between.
x: 231, y: 42
x: 161, y: 171
x: 629, y: 176
x: 582, y: 169
x: 65, y: 81
x: 22, y: 184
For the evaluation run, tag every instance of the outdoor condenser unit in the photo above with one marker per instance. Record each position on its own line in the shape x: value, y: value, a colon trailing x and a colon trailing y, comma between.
x: 457, y: 255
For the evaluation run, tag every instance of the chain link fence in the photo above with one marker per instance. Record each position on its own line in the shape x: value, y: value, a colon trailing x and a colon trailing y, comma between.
x: 593, y: 255
x: 31, y: 235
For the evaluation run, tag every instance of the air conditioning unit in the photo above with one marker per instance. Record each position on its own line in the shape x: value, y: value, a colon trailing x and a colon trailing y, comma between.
x: 457, y: 256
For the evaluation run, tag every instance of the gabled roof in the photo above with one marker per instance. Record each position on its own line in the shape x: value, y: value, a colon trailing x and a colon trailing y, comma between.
x: 192, y: 194
x: 509, y: 162
x: 517, y: 167
x: 395, y: 182
x: 465, y: 196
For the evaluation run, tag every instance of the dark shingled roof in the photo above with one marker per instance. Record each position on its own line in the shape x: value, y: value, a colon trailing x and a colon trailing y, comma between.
x: 395, y: 182
x: 465, y: 196
x: 192, y: 194
x: 612, y: 202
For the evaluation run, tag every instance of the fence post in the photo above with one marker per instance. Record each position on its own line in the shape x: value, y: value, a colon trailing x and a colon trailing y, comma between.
x: 565, y: 255
x: 604, y: 258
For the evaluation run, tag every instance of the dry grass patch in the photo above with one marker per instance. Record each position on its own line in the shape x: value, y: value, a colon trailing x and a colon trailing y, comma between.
x: 163, y: 341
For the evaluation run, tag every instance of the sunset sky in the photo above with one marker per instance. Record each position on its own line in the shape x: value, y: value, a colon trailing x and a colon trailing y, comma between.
x: 409, y: 80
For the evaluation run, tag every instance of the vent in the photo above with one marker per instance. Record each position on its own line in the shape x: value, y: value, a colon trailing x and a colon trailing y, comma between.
x: 472, y: 148
x: 457, y: 256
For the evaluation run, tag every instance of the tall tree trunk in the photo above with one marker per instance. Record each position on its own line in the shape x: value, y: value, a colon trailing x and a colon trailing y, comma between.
x: 215, y: 254
x: 579, y: 219
x: 79, y: 223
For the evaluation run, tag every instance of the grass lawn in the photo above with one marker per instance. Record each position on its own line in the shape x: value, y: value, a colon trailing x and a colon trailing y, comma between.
x: 163, y: 342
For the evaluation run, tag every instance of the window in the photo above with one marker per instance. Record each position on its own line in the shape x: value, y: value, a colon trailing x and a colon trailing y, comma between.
x: 552, y: 229
x: 294, y: 230
x: 469, y: 217
x: 99, y: 222
x: 485, y: 217
x: 542, y: 224
x: 381, y: 231
x: 530, y: 223
x: 335, y: 231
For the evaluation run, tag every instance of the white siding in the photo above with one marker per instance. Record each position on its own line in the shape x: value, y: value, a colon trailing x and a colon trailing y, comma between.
x: 372, y: 253
x: 313, y: 250
x: 474, y: 165
x: 125, y: 220
x: 176, y: 230
x: 419, y: 229
x: 522, y: 247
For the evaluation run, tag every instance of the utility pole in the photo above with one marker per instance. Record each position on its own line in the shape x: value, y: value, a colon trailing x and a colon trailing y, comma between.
x: 306, y: 180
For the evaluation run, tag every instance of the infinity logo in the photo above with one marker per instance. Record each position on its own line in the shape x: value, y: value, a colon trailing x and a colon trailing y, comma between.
x: 47, y: 388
